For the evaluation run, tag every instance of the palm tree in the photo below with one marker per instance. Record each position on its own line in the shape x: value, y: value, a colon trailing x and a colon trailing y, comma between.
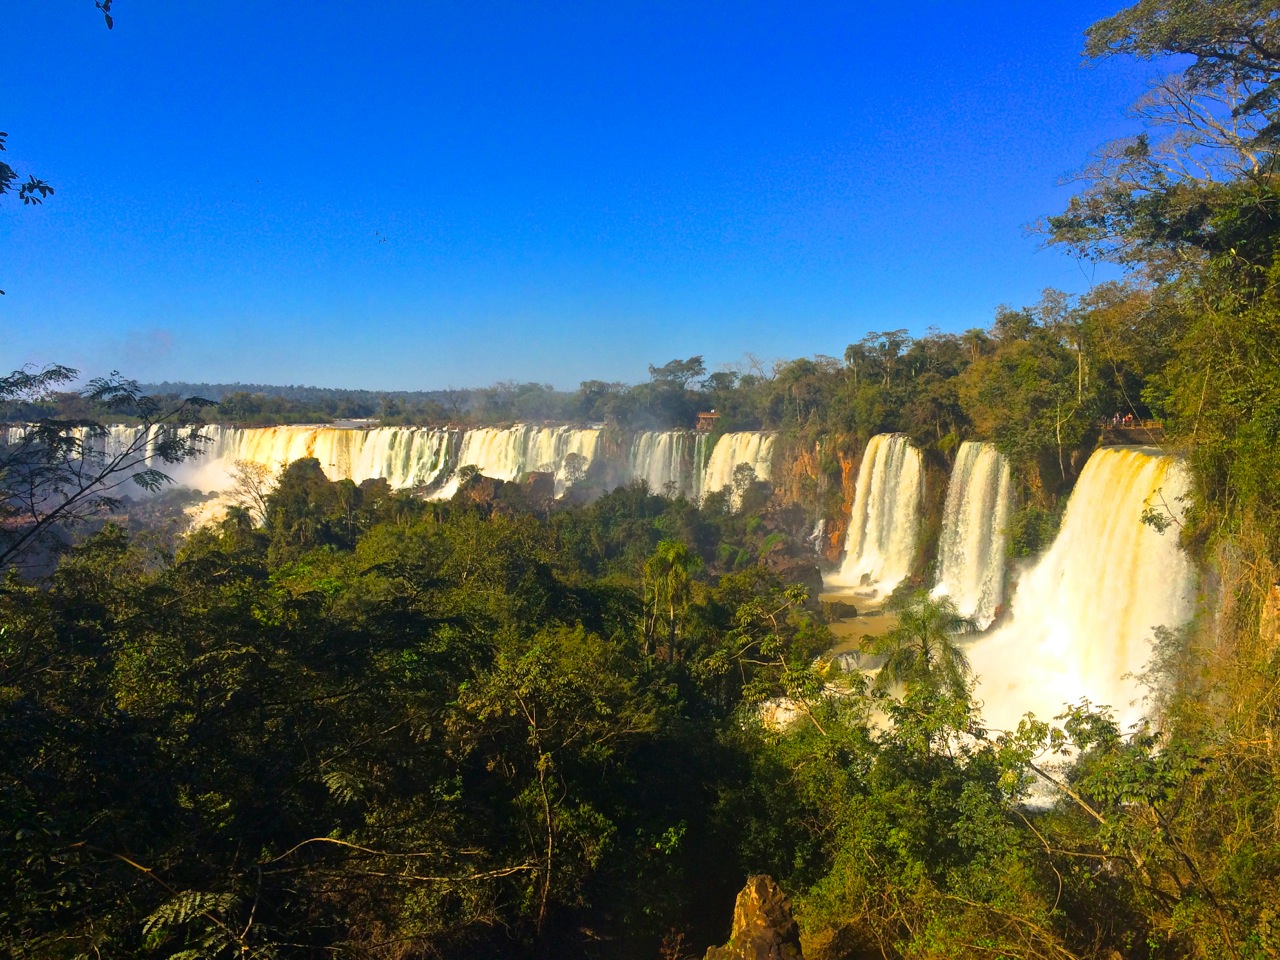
x: 922, y: 649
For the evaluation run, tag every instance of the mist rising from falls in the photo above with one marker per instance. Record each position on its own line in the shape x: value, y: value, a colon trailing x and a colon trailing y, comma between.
x: 884, y: 524
x: 971, y: 548
x: 1082, y: 617
x: 730, y: 452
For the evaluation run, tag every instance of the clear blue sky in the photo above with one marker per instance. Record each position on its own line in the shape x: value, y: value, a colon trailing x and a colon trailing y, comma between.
x: 418, y: 194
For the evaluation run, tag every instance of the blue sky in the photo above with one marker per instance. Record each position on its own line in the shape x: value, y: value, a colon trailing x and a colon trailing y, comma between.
x: 405, y: 195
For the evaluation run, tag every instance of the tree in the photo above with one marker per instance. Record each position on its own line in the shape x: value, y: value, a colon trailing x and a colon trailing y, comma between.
x: 668, y: 575
x: 678, y: 373
x: 1205, y: 188
x: 554, y: 715
x: 575, y: 468
x: 1229, y: 40
x: 59, y: 473
x: 1189, y: 204
x: 251, y: 487
x: 34, y: 191
x: 921, y: 650
x: 1030, y: 395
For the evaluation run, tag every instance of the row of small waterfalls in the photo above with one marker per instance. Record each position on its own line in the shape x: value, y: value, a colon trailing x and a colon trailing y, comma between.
x: 432, y: 460
x: 1081, y: 618
x: 1075, y: 622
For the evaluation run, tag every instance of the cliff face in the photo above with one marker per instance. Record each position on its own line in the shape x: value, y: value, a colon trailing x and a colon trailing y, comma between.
x: 837, y: 527
x: 798, y: 476
x: 820, y: 478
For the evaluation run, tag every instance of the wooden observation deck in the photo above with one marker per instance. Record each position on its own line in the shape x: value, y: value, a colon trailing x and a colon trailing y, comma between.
x: 1141, y: 432
x: 707, y: 421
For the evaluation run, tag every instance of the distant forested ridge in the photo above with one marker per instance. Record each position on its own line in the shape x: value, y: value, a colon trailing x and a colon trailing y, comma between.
x: 260, y: 403
x: 297, y: 392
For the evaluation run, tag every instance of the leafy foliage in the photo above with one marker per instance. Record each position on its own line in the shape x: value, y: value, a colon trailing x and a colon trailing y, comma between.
x: 57, y: 473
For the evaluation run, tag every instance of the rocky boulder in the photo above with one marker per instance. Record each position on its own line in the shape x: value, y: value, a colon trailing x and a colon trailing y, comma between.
x: 763, y: 927
x: 835, y: 610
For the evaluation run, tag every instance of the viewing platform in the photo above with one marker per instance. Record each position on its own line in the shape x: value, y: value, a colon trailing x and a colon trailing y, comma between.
x: 1140, y: 432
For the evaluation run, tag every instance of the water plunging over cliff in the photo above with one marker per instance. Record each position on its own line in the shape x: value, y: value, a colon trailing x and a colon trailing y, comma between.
x: 731, y: 451
x: 664, y: 459
x: 407, y: 457
x: 884, y: 523
x: 510, y: 453
x: 430, y: 458
x: 404, y: 456
x: 1082, y: 617
x: 971, y: 548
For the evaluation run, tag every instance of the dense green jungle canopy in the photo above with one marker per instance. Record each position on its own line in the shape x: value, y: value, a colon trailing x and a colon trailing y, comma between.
x: 348, y: 722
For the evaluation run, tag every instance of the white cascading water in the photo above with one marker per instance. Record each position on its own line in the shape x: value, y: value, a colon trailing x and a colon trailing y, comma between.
x: 884, y: 524
x: 430, y: 458
x: 731, y: 451
x: 664, y: 459
x: 510, y: 453
x: 406, y: 457
x: 1082, y: 618
x: 971, y: 547
x: 118, y: 451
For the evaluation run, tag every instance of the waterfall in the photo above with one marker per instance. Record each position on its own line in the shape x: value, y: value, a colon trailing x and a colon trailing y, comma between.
x: 122, y: 451
x: 1082, y: 617
x: 731, y: 451
x: 972, y: 544
x: 880, y: 546
x: 662, y: 457
x: 407, y: 457
x: 509, y: 453
x: 429, y: 458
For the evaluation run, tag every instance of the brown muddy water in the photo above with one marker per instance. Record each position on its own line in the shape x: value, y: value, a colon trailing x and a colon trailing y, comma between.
x: 849, y: 632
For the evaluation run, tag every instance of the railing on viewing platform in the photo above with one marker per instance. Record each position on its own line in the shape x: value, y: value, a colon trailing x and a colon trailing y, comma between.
x: 1132, y: 431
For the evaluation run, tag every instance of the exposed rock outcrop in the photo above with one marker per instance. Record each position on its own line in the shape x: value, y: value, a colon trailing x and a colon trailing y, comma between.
x: 763, y: 927
x: 835, y: 610
x: 838, y: 526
